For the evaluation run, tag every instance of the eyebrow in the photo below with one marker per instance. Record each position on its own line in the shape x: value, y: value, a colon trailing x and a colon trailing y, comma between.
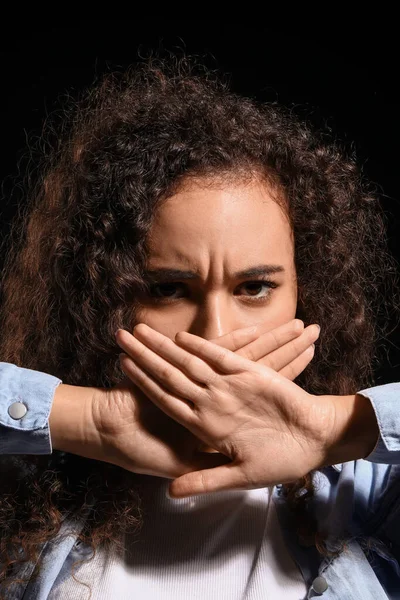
x: 166, y: 274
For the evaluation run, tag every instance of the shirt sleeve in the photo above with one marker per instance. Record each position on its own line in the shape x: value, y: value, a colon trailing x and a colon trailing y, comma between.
x: 385, y: 400
x: 26, y: 397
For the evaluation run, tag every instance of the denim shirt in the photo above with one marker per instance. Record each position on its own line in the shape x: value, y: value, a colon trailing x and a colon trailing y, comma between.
x: 357, y: 501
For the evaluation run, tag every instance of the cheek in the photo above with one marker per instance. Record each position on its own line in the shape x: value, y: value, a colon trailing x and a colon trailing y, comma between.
x: 284, y: 306
x: 165, y: 320
x: 282, y: 314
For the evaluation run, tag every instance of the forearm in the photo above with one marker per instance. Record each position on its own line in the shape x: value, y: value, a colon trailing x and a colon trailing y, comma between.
x: 70, y: 420
x: 355, y: 431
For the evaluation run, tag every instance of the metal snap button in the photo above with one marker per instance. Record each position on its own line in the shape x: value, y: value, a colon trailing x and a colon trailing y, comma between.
x: 319, y: 585
x: 17, y: 410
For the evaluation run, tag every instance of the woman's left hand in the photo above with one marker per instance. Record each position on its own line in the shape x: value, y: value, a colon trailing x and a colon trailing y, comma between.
x: 271, y: 430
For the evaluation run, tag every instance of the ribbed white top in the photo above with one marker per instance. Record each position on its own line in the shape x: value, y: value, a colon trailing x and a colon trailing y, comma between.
x: 221, y: 546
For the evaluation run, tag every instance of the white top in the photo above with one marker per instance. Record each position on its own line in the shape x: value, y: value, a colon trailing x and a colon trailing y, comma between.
x: 220, y: 546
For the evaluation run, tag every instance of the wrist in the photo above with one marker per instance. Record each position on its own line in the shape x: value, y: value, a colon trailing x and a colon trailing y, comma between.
x: 71, y: 421
x: 355, y: 432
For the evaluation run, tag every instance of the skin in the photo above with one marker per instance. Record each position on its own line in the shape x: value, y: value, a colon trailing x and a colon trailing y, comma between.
x: 122, y: 426
x: 271, y: 430
x: 212, y: 232
x: 244, y: 411
x: 238, y: 403
x: 215, y: 231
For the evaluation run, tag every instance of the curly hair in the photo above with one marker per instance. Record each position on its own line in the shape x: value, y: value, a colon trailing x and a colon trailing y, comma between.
x: 77, y: 256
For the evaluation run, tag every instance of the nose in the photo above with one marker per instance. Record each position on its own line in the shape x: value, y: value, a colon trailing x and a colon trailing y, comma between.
x: 214, y: 318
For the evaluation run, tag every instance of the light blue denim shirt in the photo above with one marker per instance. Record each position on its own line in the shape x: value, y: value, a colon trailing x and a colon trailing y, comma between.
x: 358, y: 500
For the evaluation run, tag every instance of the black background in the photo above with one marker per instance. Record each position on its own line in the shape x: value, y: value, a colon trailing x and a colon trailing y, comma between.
x: 345, y: 77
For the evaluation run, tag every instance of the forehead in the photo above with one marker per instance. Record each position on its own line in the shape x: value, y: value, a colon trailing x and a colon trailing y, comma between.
x: 239, y: 222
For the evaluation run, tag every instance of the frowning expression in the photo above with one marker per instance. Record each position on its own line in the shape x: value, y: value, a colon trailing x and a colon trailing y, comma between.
x: 221, y: 257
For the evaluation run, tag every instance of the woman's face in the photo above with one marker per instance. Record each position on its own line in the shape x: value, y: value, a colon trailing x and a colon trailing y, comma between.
x: 221, y: 257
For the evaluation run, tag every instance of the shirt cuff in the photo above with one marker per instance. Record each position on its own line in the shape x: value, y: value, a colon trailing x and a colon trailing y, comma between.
x: 34, y: 393
x: 385, y: 400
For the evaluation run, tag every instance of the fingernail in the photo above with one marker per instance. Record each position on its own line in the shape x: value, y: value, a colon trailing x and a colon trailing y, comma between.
x: 319, y: 328
x: 115, y: 334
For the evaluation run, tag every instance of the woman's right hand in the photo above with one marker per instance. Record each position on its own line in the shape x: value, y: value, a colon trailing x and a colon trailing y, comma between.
x: 121, y: 426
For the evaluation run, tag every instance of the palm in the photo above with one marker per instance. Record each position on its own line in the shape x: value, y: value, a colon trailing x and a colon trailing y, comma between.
x: 143, y: 439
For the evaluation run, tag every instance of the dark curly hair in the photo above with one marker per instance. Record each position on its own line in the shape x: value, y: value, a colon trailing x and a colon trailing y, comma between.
x: 76, y: 262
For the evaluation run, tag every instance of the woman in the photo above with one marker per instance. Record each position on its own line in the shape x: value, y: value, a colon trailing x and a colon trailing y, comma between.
x: 174, y: 203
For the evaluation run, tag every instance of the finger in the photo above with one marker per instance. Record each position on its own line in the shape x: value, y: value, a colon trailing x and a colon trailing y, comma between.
x: 272, y: 340
x: 289, y: 352
x: 191, y: 365
x: 225, y: 477
x: 298, y: 365
x: 161, y: 349
x: 273, y: 336
x: 219, y: 358
x: 175, y: 406
x: 238, y: 338
x: 159, y: 369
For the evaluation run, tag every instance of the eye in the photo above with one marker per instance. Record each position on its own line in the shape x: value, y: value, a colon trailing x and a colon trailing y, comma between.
x: 256, y: 289
x: 167, y: 290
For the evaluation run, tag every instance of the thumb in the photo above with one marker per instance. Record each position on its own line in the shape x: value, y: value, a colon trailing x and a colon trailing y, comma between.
x: 225, y: 477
